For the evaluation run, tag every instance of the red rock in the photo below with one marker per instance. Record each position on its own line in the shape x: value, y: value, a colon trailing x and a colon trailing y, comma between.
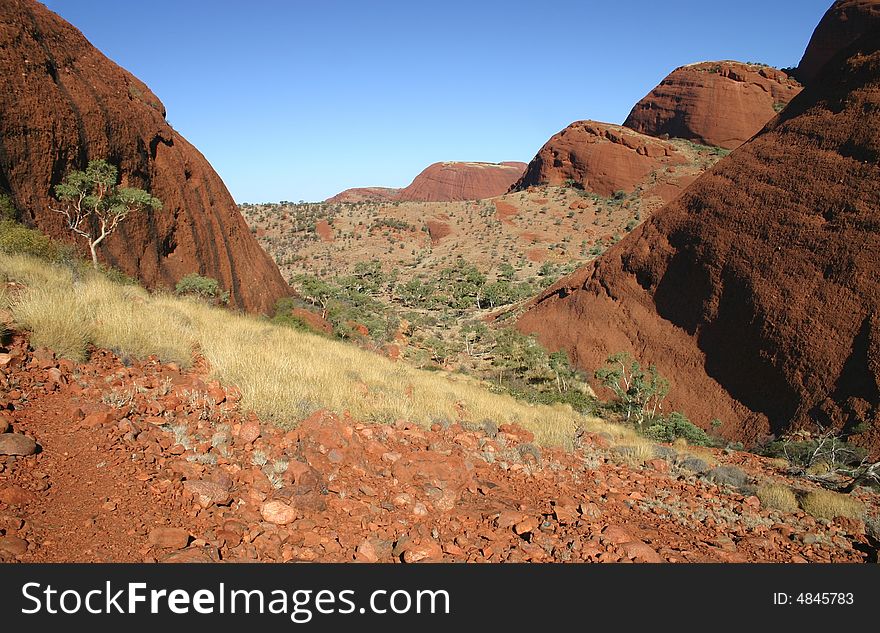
x: 660, y: 465
x: 525, y: 526
x: 168, y: 538
x: 566, y: 511
x: 617, y: 534
x: 64, y: 102
x: 13, y: 545
x: 427, y: 551
x: 508, y: 518
x: 722, y: 104
x: 216, y: 392
x: 207, y: 493
x: 17, y: 444
x: 100, y: 418
x: 433, y: 470
x: 278, y: 512
x: 602, y: 158
x: 841, y: 26
x: 755, y: 291
x: 366, y: 552
x: 4, y: 425
x: 444, y: 182
x: 437, y: 230
x: 15, y: 495
x: 641, y: 552
x: 366, y: 194
x: 324, y: 231
x: 249, y: 431
x: 312, y: 319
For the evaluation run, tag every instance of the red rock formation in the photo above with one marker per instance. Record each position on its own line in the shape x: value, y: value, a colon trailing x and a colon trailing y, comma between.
x: 600, y: 157
x: 444, y: 182
x: 313, y: 320
x: 437, y: 230
x: 64, y: 103
x: 757, y: 291
x: 841, y: 25
x: 365, y: 194
x: 713, y: 103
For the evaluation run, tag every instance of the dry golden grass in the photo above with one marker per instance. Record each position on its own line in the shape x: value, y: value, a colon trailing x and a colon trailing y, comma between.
x: 825, y: 504
x: 283, y: 374
x: 681, y: 445
x: 777, y: 496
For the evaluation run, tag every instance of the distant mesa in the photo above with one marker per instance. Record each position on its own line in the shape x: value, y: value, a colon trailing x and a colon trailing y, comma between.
x: 841, y: 26
x: 599, y: 157
x: 722, y: 104
x: 64, y: 103
x: 444, y: 182
x: 757, y: 291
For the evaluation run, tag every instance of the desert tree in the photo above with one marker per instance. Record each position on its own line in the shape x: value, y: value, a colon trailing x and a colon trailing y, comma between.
x: 639, y: 392
x: 93, y: 204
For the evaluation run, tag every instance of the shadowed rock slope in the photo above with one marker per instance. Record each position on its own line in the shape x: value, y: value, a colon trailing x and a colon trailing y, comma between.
x: 842, y: 24
x: 64, y: 103
x: 713, y: 103
x: 757, y: 291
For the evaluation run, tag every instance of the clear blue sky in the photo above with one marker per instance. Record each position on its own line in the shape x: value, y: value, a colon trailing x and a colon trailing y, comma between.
x: 294, y: 100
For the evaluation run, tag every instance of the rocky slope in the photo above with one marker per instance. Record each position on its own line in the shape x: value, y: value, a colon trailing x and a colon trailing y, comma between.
x: 444, y: 182
x: 757, y: 292
x: 145, y: 462
x: 64, y: 103
x: 713, y: 103
x: 842, y: 24
x: 603, y: 159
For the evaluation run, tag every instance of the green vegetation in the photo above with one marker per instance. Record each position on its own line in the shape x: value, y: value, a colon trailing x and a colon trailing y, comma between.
x: 203, y: 287
x: 639, y: 392
x: 7, y: 208
x: 92, y: 197
x: 16, y: 239
x: 674, y: 426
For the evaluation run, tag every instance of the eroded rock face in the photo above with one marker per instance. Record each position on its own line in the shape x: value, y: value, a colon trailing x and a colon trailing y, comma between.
x: 757, y: 291
x: 842, y: 24
x: 722, y: 104
x: 64, y: 103
x: 444, y: 182
x: 599, y: 157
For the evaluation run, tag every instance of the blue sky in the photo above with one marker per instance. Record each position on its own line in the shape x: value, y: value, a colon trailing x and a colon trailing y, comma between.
x: 293, y: 100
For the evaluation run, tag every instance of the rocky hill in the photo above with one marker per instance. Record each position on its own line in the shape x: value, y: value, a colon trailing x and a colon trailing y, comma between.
x: 604, y: 159
x: 756, y: 292
x: 842, y: 24
x: 64, y: 103
x: 720, y: 103
x: 444, y: 182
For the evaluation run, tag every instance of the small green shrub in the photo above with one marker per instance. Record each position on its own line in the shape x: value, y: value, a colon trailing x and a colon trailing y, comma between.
x: 7, y: 208
x: 675, y: 426
x: 204, y: 287
x: 17, y: 239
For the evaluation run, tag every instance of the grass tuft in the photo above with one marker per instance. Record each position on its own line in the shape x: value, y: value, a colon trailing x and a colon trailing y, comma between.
x: 825, y: 504
x: 777, y: 496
